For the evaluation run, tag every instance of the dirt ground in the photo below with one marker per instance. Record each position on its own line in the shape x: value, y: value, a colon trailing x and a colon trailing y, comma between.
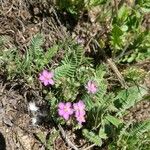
x: 16, y: 129
x: 20, y: 20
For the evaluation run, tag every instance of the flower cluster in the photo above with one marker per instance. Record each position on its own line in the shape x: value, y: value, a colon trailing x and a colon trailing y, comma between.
x: 46, y: 78
x: 65, y: 110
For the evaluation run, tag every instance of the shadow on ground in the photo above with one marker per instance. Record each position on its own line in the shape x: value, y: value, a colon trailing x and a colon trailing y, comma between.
x: 2, y: 143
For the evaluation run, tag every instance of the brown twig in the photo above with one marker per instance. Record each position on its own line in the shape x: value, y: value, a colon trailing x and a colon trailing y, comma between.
x: 114, y: 68
x: 116, y: 71
x: 121, y: 3
x: 70, y: 144
x: 89, y: 147
x: 116, y: 7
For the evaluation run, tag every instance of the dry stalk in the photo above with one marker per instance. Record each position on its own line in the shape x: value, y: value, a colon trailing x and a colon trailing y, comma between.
x: 117, y: 72
x: 114, y: 68
x: 70, y: 144
x: 116, y: 7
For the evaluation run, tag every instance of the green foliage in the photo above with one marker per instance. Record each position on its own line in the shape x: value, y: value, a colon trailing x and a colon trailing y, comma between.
x: 129, y: 97
x: 71, y: 6
x: 92, y: 137
x: 133, y: 136
x: 70, y: 63
x: 129, y: 38
x: 140, y: 128
x: 47, y: 140
x: 104, y: 110
x: 37, y: 57
x: 141, y: 48
x: 115, y: 121
x: 75, y: 7
x: 129, y: 42
x: 134, y: 74
x: 92, y: 3
x: 51, y: 139
x: 117, y: 37
x: 32, y: 61
x: 145, y: 4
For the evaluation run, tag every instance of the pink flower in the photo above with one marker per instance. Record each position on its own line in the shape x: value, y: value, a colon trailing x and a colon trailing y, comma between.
x: 79, y: 106
x: 80, y: 119
x: 46, y: 77
x: 79, y: 109
x: 65, y: 110
x: 91, y: 87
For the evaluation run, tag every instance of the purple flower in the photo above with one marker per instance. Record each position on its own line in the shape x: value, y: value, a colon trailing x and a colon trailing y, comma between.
x: 91, y: 87
x: 80, y: 119
x: 65, y: 110
x: 79, y: 109
x: 46, y: 77
x: 79, y: 106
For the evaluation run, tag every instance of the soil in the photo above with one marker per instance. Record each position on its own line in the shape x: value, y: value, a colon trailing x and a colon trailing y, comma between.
x: 20, y: 20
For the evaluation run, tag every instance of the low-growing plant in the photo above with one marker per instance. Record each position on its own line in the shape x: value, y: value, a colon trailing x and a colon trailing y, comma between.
x: 77, y: 92
x: 129, y: 38
x: 75, y: 7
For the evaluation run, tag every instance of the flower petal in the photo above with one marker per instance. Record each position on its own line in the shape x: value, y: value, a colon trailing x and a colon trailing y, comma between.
x: 50, y: 75
x: 68, y: 104
x: 66, y: 116
x: 70, y: 111
x: 75, y: 106
x: 45, y: 73
x: 81, y: 104
x: 60, y: 112
x: 45, y: 82
x: 61, y: 105
x: 51, y: 81
x: 41, y: 78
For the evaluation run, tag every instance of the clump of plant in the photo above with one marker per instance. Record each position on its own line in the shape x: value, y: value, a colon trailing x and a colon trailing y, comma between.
x: 129, y: 37
x: 79, y: 97
x: 76, y: 91
x: 76, y: 7
x: 134, y: 74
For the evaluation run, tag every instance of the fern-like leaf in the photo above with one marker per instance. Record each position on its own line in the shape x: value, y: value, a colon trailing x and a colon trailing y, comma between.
x: 92, y: 137
x: 63, y: 71
x: 140, y: 128
x: 130, y: 97
x: 36, y: 44
x: 51, y: 53
x: 70, y: 63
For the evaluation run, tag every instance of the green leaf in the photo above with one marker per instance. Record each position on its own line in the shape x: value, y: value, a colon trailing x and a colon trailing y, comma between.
x: 123, y: 13
x: 116, y: 36
x: 96, y: 2
x: 92, y: 137
x: 116, y: 31
x: 115, y: 121
x: 64, y: 71
x: 102, y: 133
x: 51, y: 52
x: 140, y: 128
x: 41, y: 136
x: 124, y: 28
x: 35, y: 46
x: 130, y: 96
